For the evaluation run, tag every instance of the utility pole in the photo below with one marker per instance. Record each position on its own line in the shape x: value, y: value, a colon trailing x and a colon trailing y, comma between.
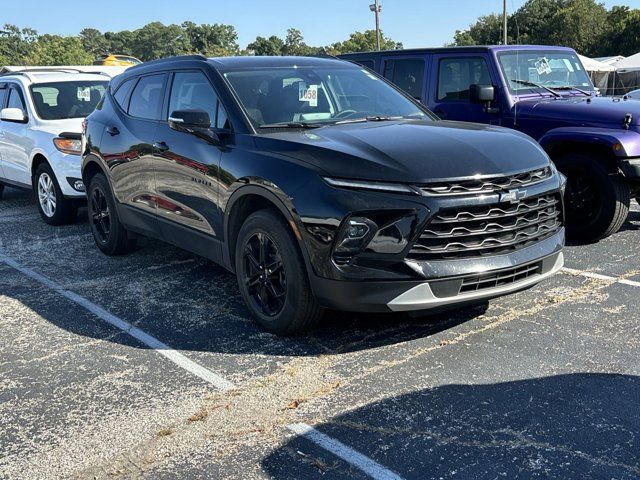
x: 504, y: 22
x: 376, y: 8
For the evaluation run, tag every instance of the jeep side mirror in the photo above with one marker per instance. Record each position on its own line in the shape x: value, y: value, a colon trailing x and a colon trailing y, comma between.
x: 482, y: 93
x: 13, y: 115
x: 189, y: 119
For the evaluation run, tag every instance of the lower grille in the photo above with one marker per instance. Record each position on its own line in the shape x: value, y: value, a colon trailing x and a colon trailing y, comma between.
x: 479, y: 231
x: 497, y: 279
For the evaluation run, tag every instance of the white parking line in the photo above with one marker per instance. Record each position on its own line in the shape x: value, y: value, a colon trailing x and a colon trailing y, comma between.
x: 148, y: 340
x: 348, y: 454
x: 598, y: 276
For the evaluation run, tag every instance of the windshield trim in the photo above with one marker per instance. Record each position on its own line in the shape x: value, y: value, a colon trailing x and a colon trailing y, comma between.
x: 536, y: 90
x: 257, y: 130
x: 105, y: 83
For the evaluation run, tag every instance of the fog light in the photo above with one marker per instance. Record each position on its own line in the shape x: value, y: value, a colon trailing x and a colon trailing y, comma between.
x: 352, y: 239
x: 76, y: 183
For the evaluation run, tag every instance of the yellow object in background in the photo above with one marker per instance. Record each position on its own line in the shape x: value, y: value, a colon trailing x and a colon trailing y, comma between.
x: 117, y: 60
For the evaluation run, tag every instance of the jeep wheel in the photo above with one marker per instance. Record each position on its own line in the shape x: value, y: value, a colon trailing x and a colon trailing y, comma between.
x: 596, y: 200
x: 53, y: 207
x: 272, y: 275
x: 109, y: 234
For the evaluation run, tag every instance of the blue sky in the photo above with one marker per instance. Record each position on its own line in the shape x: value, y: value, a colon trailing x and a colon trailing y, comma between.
x: 413, y: 22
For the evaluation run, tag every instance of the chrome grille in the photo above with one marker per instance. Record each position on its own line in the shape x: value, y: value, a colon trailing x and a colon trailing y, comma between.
x: 487, y: 185
x: 497, y: 279
x: 475, y: 231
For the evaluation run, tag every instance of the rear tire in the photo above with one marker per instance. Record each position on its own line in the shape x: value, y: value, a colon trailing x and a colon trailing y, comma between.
x: 108, y: 232
x: 272, y: 275
x: 53, y: 207
x: 597, y: 201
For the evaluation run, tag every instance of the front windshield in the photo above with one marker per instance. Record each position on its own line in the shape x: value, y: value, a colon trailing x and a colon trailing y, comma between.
x: 62, y: 100
x: 552, y: 69
x: 317, y: 96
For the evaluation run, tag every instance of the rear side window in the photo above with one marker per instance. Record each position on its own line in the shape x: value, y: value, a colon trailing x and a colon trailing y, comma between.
x: 146, y: 98
x: 408, y: 74
x: 122, y: 93
x: 456, y: 75
x: 192, y: 90
x: 3, y: 95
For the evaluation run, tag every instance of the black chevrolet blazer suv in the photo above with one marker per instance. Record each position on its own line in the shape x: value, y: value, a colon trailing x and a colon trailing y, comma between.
x: 321, y: 185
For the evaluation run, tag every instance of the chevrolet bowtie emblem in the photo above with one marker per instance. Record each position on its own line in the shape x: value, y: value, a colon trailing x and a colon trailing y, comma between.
x: 513, y: 196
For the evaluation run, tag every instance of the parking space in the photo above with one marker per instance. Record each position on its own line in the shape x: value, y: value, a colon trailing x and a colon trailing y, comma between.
x: 543, y: 383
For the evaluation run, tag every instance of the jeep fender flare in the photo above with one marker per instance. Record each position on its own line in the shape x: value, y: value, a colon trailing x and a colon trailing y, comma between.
x: 619, y: 143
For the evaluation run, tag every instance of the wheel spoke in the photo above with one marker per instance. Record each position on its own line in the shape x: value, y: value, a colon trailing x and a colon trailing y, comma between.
x: 273, y: 292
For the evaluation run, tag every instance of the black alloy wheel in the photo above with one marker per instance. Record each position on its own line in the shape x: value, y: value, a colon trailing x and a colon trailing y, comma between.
x: 100, y: 215
x: 264, y: 274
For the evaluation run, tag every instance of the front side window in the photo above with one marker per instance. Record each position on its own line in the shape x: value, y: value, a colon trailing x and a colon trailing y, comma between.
x: 456, y: 75
x: 318, y: 95
x: 408, y: 74
x: 146, y: 98
x: 192, y: 90
x: 15, y: 99
x: 61, y: 100
x: 552, y: 69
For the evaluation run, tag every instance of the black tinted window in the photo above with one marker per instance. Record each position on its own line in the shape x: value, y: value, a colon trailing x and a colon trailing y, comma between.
x: 192, y: 90
x: 123, y: 92
x: 15, y: 99
x: 407, y: 74
x: 146, y: 99
x: 456, y: 75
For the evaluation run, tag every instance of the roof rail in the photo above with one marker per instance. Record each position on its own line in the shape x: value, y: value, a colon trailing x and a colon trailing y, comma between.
x: 178, y: 58
x: 26, y: 71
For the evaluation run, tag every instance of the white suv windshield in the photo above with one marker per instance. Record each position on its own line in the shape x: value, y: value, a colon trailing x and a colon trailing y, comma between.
x: 60, y: 100
x: 552, y: 69
x: 317, y: 95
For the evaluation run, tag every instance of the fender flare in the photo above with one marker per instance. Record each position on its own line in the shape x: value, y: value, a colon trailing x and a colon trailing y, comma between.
x: 621, y: 143
x: 275, y: 196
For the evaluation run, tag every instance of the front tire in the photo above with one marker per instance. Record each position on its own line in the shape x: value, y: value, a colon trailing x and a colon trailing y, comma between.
x: 108, y: 232
x: 53, y: 207
x: 597, y: 201
x: 272, y: 275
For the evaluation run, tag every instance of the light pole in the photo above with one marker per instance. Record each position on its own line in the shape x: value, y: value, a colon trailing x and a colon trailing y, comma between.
x: 376, y: 8
x: 504, y: 22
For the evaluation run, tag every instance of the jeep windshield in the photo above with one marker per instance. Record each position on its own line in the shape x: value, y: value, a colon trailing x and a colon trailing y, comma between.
x: 527, y: 70
x: 62, y: 100
x: 312, y: 97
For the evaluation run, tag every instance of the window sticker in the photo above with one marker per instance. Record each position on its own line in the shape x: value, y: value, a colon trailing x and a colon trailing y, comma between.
x: 84, y: 94
x: 543, y: 67
x: 308, y: 93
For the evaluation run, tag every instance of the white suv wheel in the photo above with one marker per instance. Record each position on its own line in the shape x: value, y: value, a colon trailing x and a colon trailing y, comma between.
x: 47, y: 194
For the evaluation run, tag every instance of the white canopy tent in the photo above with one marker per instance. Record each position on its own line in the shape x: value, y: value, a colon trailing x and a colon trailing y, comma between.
x: 598, y: 71
x: 627, y: 76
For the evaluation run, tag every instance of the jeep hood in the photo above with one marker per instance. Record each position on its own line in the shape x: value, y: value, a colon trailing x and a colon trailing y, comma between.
x: 408, y: 150
x: 581, y: 111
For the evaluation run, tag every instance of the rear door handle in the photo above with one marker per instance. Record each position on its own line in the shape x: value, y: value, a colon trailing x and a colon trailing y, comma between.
x: 113, y: 131
x: 161, y: 146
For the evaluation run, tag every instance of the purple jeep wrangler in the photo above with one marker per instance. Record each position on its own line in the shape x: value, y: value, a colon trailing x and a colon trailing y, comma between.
x: 544, y: 92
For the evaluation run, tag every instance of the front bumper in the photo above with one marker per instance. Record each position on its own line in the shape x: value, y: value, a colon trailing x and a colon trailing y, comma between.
x: 402, y: 295
x: 67, y: 170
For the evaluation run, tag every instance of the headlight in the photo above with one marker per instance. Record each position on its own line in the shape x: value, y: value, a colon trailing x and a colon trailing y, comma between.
x: 374, y: 186
x: 68, y: 145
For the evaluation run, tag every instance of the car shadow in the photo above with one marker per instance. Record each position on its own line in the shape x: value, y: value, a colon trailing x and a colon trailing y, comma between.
x: 583, y: 425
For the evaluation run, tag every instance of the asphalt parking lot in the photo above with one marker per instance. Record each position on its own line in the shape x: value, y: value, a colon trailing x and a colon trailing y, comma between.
x: 147, y: 366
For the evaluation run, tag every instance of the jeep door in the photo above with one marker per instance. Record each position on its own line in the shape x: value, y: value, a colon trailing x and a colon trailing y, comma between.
x: 127, y: 149
x: 450, y: 85
x: 408, y: 73
x: 15, y: 145
x: 187, y: 166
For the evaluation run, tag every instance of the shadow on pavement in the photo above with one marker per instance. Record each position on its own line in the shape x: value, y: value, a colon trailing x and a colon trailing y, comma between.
x: 566, y: 426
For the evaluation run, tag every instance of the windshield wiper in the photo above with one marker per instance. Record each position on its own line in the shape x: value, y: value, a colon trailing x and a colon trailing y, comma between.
x: 571, y: 87
x: 537, y: 85
x: 292, y: 125
x: 374, y: 118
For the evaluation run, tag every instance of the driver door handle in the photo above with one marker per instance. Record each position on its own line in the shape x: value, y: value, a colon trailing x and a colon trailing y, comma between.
x: 161, y: 147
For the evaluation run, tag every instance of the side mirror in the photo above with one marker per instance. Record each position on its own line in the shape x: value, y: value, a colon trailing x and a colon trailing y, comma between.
x: 195, y: 119
x: 482, y: 93
x: 13, y: 115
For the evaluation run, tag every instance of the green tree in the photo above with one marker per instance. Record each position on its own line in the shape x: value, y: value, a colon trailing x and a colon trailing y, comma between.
x: 156, y: 40
x: 57, y: 50
x: 212, y: 40
x: 16, y: 44
x: 94, y: 42
x: 120, y: 42
x: 362, y: 42
x: 262, y: 46
x: 294, y: 44
x: 578, y: 24
x: 486, y: 31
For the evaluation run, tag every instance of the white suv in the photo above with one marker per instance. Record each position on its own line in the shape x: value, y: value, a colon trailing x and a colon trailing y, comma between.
x: 41, y: 114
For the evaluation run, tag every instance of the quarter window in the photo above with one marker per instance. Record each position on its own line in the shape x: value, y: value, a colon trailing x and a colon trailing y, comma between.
x: 15, y: 99
x: 408, y: 74
x: 456, y: 75
x: 146, y: 99
x: 123, y: 92
x: 3, y: 95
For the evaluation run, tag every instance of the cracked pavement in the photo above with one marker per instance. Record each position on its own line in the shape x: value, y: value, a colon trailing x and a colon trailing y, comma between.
x: 541, y: 384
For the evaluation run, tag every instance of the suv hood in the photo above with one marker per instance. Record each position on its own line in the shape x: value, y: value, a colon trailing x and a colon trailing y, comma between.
x: 56, y: 127
x: 583, y: 111
x: 409, y: 150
